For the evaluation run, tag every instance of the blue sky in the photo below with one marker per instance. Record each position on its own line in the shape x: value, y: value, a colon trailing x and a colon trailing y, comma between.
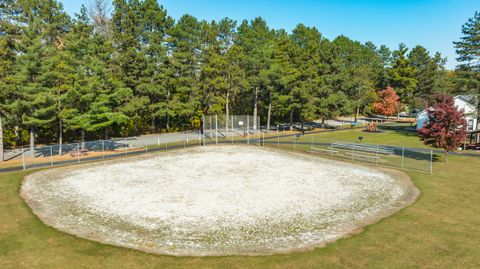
x: 434, y: 24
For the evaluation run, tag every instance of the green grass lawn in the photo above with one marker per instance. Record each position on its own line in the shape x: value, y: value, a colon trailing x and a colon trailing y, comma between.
x: 387, y: 136
x: 440, y: 230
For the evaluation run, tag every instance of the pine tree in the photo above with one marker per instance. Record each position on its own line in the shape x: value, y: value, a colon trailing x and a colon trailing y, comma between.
x: 99, y: 97
x: 130, y: 57
x: 333, y: 100
x: 468, y: 72
x: 427, y: 71
x: 9, y: 32
x: 212, y: 76
x: 402, y: 76
x: 232, y: 58
x: 155, y: 24
x: 255, y: 38
x: 46, y: 24
x: 357, y: 71
x: 183, y: 87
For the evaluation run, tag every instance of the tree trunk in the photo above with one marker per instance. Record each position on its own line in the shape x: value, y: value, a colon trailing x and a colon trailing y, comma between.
x: 82, y: 138
x: 32, y: 141
x: 269, y: 115
x: 358, y: 112
x: 135, y: 125
x: 446, y: 155
x: 154, y: 127
x: 105, y: 132
x: 291, y: 120
x: 168, y: 123
x: 60, y: 137
x: 255, y: 109
x: 1, y: 141
x: 17, y: 133
x: 478, y: 113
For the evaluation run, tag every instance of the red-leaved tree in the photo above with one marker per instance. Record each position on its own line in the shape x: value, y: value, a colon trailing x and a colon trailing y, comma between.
x: 387, y: 103
x: 446, y: 126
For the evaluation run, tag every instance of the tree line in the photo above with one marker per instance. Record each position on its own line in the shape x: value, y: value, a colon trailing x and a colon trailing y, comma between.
x: 134, y: 69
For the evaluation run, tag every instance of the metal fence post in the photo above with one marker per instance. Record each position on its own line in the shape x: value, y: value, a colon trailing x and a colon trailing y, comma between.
x: 431, y: 161
x: 210, y: 132
x: 294, y: 143
x: 216, y: 129
x: 353, y: 150
x: 23, y: 158
x: 126, y: 146
x: 103, y: 149
x: 203, y: 130
x: 263, y: 141
x: 376, y: 155
x: 78, y: 152
x: 248, y: 129
x: 403, y: 157
x: 278, y: 139
x: 51, y: 156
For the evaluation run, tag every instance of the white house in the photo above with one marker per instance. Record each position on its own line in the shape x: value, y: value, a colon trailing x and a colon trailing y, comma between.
x: 462, y: 102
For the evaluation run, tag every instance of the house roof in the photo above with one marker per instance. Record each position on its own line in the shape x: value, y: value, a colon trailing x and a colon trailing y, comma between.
x: 465, y: 98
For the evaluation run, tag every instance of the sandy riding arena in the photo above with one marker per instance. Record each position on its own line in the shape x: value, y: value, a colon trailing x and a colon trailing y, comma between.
x: 216, y: 200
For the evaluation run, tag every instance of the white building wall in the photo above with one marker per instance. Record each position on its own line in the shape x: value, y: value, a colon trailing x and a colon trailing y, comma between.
x: 422, y: 117
x: 469, y: 111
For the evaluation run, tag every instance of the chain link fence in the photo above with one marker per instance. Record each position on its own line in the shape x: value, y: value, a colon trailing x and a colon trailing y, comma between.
x: 310, y: 143
x: 54, y: 155
x: 418, y: 159
x: 222, y: 127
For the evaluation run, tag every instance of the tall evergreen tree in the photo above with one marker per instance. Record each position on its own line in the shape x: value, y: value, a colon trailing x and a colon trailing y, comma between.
x: 402, y: 75
x: 99, y: 97
x: 468, y: 71
x: 183, y: 86
x: 283, y: 77
x: 9, y: 33
x: 427, y: 71
x: 155, y: 24
x: 255, y: 38
x: 129, y: 57
x: 42, y: 38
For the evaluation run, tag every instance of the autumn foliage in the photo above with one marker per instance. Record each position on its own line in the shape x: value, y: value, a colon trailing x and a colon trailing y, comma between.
x: 446, y: 126
x: 387, y: 103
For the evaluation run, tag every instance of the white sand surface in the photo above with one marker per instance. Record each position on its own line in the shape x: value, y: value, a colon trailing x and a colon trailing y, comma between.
x: 217, y: 200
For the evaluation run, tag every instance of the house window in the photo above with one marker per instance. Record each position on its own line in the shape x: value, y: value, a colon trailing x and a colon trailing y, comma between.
x: 470, y: 125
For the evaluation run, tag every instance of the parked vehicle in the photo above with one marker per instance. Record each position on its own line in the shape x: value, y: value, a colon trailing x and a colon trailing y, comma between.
x: 302, y: 127
x: 283, y: 127
x: 331, y: 126
x: 313, y: 124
